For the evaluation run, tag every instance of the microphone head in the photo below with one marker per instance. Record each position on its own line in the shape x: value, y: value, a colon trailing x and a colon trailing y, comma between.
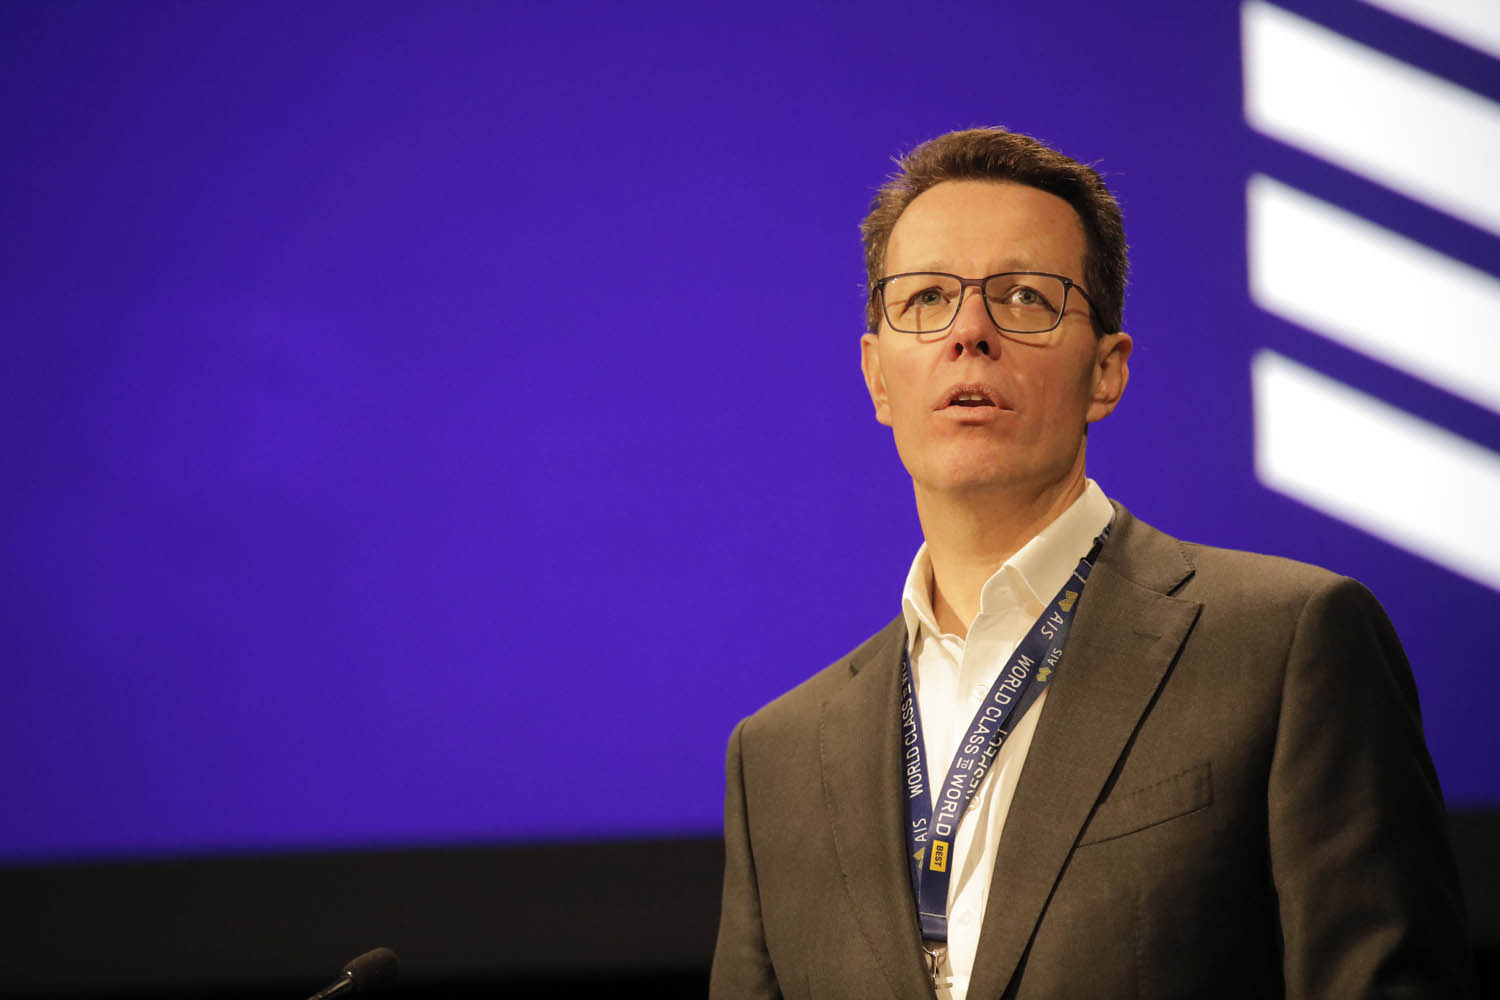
x: 373, y: 970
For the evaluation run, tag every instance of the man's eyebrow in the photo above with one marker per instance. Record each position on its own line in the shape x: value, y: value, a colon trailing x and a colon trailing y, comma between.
x: 1013, y: 263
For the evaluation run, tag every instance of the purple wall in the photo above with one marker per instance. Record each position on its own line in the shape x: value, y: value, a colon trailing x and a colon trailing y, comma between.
x: 440, y: 425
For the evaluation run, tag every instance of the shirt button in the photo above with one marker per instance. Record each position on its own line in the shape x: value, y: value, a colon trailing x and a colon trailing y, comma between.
x: 966, y: 918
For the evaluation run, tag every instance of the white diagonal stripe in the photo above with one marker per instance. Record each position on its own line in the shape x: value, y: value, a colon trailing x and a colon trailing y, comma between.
x: 1474, y: 22
x: 1374, y: 291
x: 1379, y: 468
x: 1407, y: 129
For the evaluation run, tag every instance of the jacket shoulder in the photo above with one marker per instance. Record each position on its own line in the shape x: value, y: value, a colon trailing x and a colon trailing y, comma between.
x: 1244, y: 580
x: 801, y: 705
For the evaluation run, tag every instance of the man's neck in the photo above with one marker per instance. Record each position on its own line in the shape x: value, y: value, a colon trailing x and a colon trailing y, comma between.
x: 971, y: 535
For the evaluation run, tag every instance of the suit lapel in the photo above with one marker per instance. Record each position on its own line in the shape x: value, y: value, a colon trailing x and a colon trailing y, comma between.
x: 1127, y: 634
x: 859, y: 747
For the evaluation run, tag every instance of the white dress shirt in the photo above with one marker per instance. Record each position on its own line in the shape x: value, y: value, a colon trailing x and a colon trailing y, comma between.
x: 953, y: 674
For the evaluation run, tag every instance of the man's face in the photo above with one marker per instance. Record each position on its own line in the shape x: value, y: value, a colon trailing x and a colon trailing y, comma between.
x: 1030, y: 397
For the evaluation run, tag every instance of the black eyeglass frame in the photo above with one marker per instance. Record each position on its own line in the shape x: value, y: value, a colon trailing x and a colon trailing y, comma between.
x: 966, y: 283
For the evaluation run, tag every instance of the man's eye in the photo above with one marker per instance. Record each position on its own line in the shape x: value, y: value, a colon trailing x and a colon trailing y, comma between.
x: 926, y: 298
x: 1023, y: 296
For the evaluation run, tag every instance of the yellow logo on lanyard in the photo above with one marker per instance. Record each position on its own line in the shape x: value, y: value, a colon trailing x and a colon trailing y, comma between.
x: 1069, y: 596
x: 939, y: 856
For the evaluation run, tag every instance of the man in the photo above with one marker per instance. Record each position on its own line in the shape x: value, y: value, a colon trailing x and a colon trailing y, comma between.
x: 1087, y: 759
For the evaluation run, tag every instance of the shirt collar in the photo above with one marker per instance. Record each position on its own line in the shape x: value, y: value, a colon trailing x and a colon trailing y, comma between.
x: 1041, y: 566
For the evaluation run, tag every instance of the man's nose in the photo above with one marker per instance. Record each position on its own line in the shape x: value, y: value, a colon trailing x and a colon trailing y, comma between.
x: 973, y: 331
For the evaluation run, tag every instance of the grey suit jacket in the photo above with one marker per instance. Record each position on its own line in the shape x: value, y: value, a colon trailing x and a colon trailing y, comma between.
x: 1228, y: 794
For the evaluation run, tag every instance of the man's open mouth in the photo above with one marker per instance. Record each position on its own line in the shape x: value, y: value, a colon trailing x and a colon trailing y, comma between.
x: 971, y: 399
x: 972, y: 395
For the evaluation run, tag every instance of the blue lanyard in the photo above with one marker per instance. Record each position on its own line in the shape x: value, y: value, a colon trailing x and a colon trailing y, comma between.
x: 930, y: 831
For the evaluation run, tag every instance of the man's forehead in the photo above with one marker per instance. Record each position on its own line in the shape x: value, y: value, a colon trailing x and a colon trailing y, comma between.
x: 999, y: 224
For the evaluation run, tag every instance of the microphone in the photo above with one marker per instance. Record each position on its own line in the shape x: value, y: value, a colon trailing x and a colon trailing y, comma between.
x: 371, y: 971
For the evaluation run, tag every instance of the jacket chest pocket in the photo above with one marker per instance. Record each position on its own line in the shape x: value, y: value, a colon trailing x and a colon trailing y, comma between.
x: 1174, y: 796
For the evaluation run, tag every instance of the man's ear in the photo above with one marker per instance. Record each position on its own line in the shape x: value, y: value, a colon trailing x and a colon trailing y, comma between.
x: 1111, y: 373
x: 869, y: 363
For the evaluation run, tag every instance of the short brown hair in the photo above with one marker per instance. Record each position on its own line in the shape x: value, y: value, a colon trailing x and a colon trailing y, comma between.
x: 996, y: 154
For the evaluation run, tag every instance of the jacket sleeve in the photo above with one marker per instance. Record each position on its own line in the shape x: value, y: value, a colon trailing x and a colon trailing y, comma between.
x: 1368, y: 892
x: 742, y: 966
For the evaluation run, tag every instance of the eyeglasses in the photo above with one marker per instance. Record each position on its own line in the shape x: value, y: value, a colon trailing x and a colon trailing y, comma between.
x: 1017, y: 301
